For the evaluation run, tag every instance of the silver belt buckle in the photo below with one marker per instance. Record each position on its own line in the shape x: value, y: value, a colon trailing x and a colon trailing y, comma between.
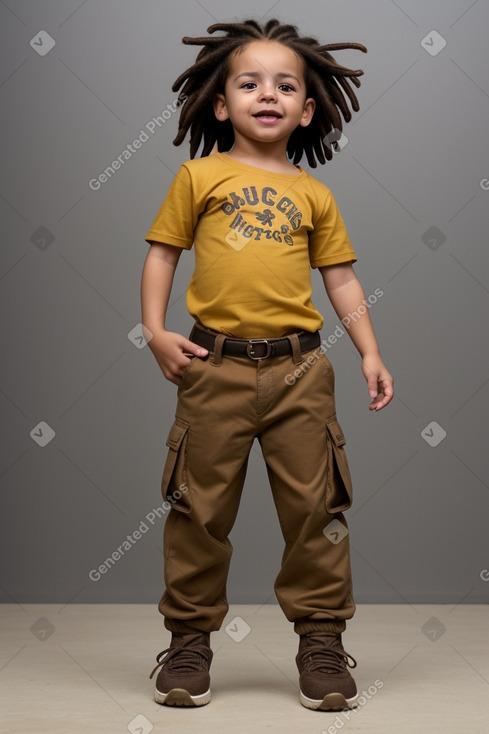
x: 250, y: 348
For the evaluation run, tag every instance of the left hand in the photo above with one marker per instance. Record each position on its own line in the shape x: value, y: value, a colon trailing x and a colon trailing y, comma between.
x: 379, y: 380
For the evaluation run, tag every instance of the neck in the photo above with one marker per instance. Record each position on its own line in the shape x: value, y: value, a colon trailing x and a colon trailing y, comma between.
x: 271, y: 156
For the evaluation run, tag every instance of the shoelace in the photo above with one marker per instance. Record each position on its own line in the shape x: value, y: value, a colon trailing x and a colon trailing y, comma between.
x: 326, y: 659
x: 188, y: 658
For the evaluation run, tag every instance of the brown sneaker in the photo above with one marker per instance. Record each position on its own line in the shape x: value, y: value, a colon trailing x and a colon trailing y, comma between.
x: 184, y: 678
x: 325, y: 681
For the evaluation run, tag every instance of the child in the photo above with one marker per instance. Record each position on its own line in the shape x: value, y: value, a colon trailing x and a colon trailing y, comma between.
x: 253, y: 366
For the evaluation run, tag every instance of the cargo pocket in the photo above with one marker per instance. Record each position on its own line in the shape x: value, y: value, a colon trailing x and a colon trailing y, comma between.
x: 339, y: 493
x: 174, y: 486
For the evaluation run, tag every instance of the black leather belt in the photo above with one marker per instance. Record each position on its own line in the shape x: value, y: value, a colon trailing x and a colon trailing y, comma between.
x: 255, y: 348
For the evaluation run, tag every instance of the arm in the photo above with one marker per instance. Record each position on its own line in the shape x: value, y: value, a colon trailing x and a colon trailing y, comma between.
x: 346, y: 294
x: 156, y: 282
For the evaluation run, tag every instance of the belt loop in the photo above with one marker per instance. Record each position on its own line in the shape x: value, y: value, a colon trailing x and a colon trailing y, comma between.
x: 297, y: 357
x: 216, y: 359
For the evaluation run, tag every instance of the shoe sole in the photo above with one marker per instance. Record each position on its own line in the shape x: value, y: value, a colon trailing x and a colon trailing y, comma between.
x: 331, y: 702
x: 181, y: 697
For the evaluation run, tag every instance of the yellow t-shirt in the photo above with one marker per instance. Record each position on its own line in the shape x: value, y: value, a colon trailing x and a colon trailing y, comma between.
x: 256, y: 235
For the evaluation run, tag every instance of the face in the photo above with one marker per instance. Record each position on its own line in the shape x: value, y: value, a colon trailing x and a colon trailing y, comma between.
x: 265, y: 93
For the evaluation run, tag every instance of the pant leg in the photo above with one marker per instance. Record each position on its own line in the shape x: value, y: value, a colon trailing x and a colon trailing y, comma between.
x: 302, y: 444
x: 220, y: 410
x: 209, y: 444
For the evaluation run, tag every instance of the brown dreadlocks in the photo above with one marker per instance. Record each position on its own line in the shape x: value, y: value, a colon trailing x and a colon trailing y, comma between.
x: 326, y: 81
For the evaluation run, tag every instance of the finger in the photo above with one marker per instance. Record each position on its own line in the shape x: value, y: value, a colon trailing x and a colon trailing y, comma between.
x: 376, y: 405
x: 170, y: 373
x: 375, y: 402
x: 373, y: 381
x: 381, y: 401
x: 372, y: 386
x: 387, y: 391
x: 194, y: 349
x: 173, y: 377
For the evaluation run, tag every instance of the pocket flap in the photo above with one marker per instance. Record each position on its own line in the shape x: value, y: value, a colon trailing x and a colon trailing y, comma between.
x: 174, y: 484
x: 339, y: 492
x: 335, y: 432
x: 177, y: 432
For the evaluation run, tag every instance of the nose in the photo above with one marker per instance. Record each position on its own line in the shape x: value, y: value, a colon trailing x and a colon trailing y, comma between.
x: 267, y: 91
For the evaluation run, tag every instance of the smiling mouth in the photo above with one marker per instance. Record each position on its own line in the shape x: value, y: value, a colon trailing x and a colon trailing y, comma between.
x: 268, y: 113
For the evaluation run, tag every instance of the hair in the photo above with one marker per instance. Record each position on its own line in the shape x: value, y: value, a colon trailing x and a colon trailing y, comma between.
x: 328, y: 83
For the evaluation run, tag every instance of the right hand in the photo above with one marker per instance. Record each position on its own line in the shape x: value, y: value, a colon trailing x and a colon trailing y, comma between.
x: 168, y: 348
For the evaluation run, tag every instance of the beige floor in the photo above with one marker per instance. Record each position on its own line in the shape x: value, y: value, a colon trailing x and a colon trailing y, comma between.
x: 85, y: 668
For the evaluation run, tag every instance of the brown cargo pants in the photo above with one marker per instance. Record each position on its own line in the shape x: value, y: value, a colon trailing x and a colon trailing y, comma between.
x: 287, y: 403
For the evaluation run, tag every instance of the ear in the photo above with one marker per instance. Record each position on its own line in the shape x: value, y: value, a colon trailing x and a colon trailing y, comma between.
x: 220, y: 108
x: 308, y: 112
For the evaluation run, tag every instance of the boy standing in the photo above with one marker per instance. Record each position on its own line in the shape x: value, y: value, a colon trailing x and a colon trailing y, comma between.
x: 253, y: 366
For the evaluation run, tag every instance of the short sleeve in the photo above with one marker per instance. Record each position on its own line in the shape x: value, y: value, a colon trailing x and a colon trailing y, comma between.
x: 176, y: 219
x: 329, y: 243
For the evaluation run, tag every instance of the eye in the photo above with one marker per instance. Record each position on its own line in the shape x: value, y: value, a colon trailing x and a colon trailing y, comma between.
x: 286, y: 87
x: 248, y: 85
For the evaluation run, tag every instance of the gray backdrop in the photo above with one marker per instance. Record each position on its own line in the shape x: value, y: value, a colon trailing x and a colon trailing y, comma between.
x: 85, y: 408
